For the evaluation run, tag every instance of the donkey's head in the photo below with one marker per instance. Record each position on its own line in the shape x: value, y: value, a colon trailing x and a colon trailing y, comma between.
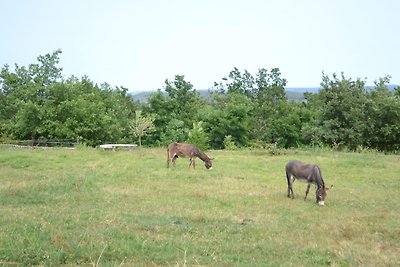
x: 208, y: 164
x: 321, y: 194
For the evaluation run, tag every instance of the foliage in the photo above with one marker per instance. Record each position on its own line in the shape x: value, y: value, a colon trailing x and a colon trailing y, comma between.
x: 267, y: 104
x: 39, y: 103
x: 342, y: 117
x: 175, y: 131
x: 229, y: 144
x: 198, y: 136
x: 228, y: 114
x: 345, y: 114
x: 175, y: 112
x: 36, y: 101
x: 142, y: 125
x: 383, y: 117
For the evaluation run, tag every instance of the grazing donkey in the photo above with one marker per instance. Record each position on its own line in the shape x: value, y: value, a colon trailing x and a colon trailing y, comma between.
x: 309, y: 173
x: 176, y: 150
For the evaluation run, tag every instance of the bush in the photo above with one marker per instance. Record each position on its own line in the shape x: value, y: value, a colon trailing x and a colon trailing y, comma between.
x: 229, y: 144
x: 197, y: 136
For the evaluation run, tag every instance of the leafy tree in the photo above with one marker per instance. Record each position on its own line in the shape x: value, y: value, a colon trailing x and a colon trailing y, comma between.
x: 142, y: 125
x: 269, y: 103
x: 310, y: 114
x: 397, y: 91
x: 38, y: 103
x: 175, y: 131
x: 270, y: 86
x: 198, y: 136
x: 342, y: 111
x: 177, y: 108
x: 271, y: 107
x: 25, y: 94
x: 159, y: 105
x: 284, y: 129
x: 46, y: 72
x: 345, y: 113
x: 120, y: 106
x: 230, y: 114
x: 383, y: 117
x: 184, y: 99
x: 236, y: 83
x: 213, y: 118
x: 229, y: 144
x: 2, y: 114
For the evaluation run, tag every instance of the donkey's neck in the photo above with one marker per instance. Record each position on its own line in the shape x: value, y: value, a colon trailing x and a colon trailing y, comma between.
x: 320, y: 182
x: 318, y: 178
x: 202, y: 155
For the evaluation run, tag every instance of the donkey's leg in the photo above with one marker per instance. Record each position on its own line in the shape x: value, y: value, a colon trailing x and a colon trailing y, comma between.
x: 291, y: 186
x: 174, y: 160
x: 190, y: 162
x: 308, y: 190
x: 317, y: 188
x: 290, y: 182
x: 288, y: 185
x: 168, y: 158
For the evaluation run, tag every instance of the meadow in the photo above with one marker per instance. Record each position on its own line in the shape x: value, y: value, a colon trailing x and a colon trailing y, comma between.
x: 93, y: 207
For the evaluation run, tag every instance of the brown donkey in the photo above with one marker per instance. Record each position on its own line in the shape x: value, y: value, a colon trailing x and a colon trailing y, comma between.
x: 176, y: 150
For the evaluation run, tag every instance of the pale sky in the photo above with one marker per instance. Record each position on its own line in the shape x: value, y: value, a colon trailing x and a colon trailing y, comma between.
x: 139, y: 44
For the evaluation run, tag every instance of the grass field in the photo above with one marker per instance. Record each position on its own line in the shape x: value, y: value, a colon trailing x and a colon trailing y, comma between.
x: 125, y: 208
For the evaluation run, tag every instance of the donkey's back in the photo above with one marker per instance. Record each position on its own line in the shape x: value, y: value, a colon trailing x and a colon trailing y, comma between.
x: 302, y: 171
x: 182, y: 150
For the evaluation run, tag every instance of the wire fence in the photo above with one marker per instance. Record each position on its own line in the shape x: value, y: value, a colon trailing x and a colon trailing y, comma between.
x: 42, y: 142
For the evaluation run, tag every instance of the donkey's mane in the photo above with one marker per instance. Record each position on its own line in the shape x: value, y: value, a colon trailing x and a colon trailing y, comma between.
x: 203, y: 155
x: 319, y: 176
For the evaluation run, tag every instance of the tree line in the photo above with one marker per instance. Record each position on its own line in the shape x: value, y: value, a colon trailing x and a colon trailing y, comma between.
x: 243, y: 110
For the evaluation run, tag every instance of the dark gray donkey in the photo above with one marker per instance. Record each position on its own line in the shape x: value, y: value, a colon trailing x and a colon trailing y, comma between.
x: 176, y: 150
x: 309, y: 173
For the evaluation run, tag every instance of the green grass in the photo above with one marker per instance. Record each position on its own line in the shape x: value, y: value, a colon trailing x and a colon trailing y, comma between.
x: 124, y: 208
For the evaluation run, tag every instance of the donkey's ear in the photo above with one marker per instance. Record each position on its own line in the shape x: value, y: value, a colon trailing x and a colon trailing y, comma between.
x: 329, y: 187
x: 212, y: 158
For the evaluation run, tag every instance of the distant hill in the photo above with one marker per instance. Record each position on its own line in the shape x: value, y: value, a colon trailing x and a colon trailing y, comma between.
x: 292, y: 93
x: 142, y: 96
x: 295, y: 94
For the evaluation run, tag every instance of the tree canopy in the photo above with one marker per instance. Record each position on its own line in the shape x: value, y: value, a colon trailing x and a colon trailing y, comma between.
x: 243, y: 110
